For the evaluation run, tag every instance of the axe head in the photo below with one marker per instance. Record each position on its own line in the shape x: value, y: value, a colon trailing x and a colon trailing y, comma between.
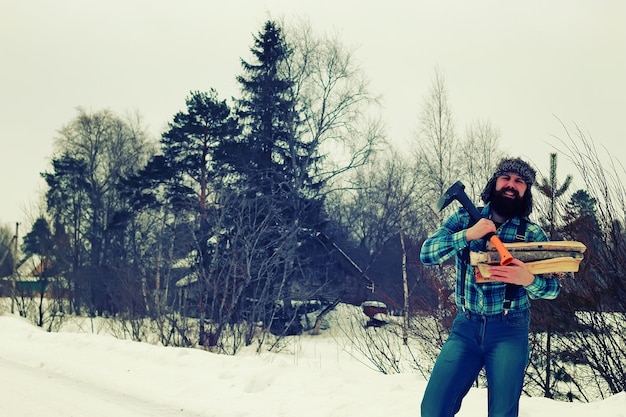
x: 455, y: 192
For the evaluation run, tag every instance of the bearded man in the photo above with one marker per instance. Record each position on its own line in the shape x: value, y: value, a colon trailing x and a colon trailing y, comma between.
x: 490, y: 330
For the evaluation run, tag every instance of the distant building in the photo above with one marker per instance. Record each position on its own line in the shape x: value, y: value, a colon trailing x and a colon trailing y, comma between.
x: 28, y: 279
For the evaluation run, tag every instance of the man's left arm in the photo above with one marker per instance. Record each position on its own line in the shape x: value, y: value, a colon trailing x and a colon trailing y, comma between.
x: 545, y: 286
x: 537, y: 286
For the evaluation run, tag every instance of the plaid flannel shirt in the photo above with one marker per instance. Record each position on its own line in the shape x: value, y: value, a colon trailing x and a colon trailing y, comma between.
x: 486, y: 298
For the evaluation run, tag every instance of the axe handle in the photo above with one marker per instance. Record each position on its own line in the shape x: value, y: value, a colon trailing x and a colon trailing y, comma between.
x: 457, y: 191
x: 505, y: 255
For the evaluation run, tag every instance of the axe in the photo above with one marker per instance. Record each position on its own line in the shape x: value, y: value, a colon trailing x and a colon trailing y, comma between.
x: 457, y: 192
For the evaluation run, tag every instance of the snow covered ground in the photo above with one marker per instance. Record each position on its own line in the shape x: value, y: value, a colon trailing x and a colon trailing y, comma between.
x: 93, y: 374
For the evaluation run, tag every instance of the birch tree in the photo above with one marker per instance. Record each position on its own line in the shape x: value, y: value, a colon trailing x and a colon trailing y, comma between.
x: 437, y: 142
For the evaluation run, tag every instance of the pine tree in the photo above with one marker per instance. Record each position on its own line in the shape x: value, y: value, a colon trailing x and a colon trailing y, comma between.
x: 271, y: 159
x: 265, y: 109
x: 191, y: 184
x: 552, y: 191
x: 39, y: 241
x: 274, y: 200
x: 553, y: 316
x: 189, y: 145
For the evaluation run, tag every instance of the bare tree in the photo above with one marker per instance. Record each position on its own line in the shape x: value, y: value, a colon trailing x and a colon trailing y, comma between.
x: 333, y: 100
x: 478, y: 156
x: 437, y: 142
x: 93, y: 153
x: 596, y: 344
x: 383, y: 201
x: 386, y: 214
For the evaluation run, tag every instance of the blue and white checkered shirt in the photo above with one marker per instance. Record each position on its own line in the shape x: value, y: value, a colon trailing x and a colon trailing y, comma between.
x: 485, y: 298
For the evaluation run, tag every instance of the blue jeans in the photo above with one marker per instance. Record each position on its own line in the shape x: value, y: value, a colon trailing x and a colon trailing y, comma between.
x: 499, y: 343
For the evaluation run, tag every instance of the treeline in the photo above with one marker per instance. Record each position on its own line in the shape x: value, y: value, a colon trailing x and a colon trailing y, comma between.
x: 247, y: 204
x: 250, y: 213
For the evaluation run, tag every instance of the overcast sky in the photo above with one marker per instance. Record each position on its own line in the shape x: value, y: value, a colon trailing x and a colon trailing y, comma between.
x: 522, y: 66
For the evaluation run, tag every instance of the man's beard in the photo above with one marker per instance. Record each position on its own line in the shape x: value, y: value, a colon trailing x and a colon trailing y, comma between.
x: 505, y: 206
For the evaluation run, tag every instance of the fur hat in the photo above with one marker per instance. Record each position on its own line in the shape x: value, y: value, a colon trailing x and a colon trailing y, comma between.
x: 512, y: 166
x: 516, y: 166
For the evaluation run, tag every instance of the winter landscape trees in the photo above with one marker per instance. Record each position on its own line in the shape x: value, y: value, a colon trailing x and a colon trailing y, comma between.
x: 212, y: 233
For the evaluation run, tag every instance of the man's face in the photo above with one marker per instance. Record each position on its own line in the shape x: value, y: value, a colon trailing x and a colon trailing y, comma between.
x: 506, y: 199
x: 511, y: 185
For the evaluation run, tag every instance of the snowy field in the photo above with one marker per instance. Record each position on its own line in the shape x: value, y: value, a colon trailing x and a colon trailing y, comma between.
x: 92, y: 374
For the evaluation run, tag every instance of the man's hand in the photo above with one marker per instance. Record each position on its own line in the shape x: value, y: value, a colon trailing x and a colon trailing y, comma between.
x: 480, y: 229
x: 513, y: 273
